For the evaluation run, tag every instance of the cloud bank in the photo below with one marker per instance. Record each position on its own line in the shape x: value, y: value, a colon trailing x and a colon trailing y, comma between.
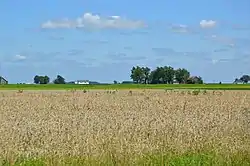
x: 89, y: 20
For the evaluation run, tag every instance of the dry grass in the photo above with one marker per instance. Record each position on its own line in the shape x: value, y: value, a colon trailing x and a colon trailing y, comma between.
x: 123, y: 126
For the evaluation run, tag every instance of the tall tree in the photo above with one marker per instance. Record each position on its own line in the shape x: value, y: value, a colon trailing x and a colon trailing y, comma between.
x: 46, y: 79
x: 59, y: 80
x: 137, y: 74
x: 168, y: 74
x: 146, y: 73
x: 36, y: 79
x: 152, y: 77
x: 156, y: 76
x: 182, y: 75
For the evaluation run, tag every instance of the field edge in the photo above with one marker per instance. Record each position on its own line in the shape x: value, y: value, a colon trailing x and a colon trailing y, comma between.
x: 126, y: 86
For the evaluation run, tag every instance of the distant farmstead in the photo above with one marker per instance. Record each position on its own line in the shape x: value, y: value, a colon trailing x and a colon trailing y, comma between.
x: 3, y: 80
x: 82, y: 82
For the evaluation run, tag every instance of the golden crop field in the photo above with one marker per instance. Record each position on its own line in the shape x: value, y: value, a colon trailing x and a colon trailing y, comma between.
x: 138, y: 127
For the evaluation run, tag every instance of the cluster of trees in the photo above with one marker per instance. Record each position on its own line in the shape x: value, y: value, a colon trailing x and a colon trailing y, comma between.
x: 41, y: 79
x: 243, y: 79
x: 45, y: 80
x: 163, y: 75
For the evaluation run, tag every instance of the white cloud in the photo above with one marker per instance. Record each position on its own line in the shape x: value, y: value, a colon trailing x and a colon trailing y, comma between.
x: 207, y: 23
x: 94, y: 21
x: 20, y: 57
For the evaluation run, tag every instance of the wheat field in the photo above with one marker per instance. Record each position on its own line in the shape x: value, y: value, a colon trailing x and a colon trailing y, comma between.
x: 138, y: 127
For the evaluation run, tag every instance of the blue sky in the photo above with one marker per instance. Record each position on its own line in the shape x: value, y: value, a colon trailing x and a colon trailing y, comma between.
x: 101, y: 40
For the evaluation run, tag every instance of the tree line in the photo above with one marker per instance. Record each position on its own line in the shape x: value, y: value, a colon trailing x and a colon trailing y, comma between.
x: 45, y: 80
x: 163, y: 75
x: 144, y: 75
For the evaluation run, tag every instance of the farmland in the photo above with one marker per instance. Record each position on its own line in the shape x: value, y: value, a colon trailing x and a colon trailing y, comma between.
x: 124, y: 127
x: 125, y: 86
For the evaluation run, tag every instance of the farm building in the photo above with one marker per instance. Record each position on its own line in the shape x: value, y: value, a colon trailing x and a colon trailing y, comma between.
x: 3, y: 80
x: 84, y: 82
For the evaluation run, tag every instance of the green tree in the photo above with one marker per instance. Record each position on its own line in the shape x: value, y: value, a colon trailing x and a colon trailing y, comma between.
x: 41, y: 80
x: 137, y: 74
x: 168, y: 74
x: 156, y: 76
x: 59, y: 80
x: 162, y: 75
x: 146, y: 74
x: 182, y: 75
x: 44, y: 79
x: 36, y: 79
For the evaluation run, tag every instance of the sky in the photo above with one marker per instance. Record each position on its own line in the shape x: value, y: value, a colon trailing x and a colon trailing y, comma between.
x: 101, y: 40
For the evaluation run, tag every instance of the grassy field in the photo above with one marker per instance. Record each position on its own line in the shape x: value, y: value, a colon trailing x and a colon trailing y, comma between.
x: 126, y: 86
x: 125, y: 127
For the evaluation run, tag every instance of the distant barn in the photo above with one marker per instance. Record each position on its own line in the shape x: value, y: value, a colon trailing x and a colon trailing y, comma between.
x: 3, y: 80
x: 83, y: 82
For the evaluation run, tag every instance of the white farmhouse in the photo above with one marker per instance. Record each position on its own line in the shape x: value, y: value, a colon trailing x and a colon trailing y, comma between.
x: 83, y: 82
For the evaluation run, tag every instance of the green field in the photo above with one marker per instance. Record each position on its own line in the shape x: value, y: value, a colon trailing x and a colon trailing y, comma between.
x: 126, y: 86
x: 188, y: 159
